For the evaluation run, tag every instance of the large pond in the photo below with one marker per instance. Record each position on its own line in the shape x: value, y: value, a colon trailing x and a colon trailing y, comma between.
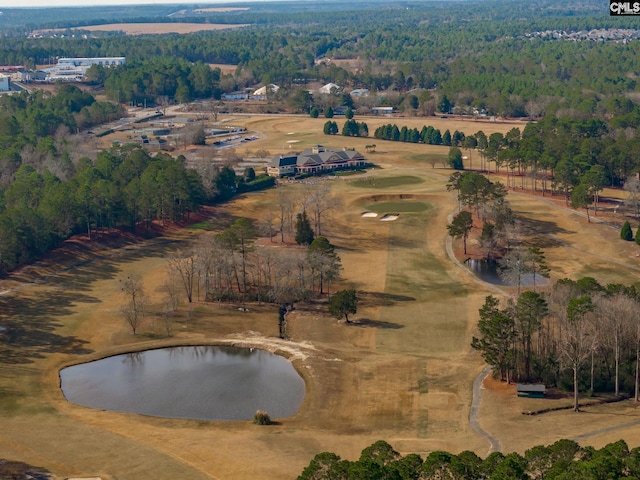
x: 487, y: 270
x: 205, y: 383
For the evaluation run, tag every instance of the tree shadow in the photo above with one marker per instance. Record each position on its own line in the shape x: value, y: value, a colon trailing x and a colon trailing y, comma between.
x: 381, y: 299
x: 30, y: 327
x: 545, y: 227
x: 366, y: 322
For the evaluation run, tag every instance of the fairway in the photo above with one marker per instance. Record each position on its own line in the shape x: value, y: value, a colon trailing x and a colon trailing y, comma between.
x: 402, y: 371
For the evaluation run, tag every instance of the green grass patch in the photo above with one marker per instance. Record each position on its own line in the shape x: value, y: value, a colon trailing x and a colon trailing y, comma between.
x: 386, y: 182
x: 399, y: 207
x: 348, y: 173
x: 200, y: 226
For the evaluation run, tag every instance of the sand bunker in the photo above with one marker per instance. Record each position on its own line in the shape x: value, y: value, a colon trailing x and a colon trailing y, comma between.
x: 389, y: 217
x: 369, y: 214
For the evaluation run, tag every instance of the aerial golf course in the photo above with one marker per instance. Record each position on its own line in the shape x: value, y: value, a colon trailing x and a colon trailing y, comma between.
x: 402, y: 371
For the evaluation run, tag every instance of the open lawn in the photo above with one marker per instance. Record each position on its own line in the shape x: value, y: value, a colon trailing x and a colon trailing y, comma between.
x: 402, y: 371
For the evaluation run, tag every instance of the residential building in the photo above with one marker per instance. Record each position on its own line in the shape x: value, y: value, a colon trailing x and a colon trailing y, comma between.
x: 330, y: 88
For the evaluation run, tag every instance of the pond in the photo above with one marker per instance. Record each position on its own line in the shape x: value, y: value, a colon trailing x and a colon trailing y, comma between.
x: 487, y: 270
x: 204, y: 383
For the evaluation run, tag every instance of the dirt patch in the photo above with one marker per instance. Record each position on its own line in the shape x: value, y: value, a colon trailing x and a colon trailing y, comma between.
x: 224, y: 68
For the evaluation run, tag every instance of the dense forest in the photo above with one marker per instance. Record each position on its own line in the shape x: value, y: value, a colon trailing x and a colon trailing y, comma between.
x: 563, y: 460
x: 506, y: 66
x: 48, y: 192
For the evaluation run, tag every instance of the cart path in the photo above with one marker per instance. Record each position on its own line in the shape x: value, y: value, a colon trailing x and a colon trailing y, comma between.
x: 476, y: 399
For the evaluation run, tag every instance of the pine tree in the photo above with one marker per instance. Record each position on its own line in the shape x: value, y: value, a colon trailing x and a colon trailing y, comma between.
x: 626, y: 233
x: 638, y: 236
x: 304, y: 232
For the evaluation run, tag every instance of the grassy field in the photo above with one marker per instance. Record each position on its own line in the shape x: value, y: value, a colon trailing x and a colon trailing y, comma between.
x: 151, y: 28
x: 401, y: 372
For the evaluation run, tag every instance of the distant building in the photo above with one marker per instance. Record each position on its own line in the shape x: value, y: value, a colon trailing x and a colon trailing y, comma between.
x: 261, y: 93
x: 88, y: 62
x: 235, y: 96
x: 12, y: 68
x: 329, y: 88
x: 5, y: 83
x: 315, y: 160
x: 75, y: 68
x: 360, y: 92
x: 382, y: 110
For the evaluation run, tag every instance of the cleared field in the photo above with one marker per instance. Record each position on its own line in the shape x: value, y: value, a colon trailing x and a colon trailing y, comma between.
x: 158, y: 28
x: 401, y: 372
x: 225, y: 69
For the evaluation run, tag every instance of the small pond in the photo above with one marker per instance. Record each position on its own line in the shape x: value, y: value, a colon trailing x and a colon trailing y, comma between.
x: 204, y: 383
x: 487, y: 270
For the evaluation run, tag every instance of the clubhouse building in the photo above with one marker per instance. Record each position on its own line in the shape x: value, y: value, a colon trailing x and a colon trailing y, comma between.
x: 315, y: 160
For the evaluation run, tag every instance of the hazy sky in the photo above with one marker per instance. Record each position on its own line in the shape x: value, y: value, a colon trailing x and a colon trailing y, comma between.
x: 76, y: 3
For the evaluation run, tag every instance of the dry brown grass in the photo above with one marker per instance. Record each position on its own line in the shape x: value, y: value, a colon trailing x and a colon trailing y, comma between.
x: 402, y: 372
x: 151, y: 28
x: 224, y: 68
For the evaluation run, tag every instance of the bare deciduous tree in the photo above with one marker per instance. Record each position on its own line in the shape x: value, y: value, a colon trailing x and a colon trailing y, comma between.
x: 133, y: 309
x: 632, y: 187
x: 320, y: 203
x: 512, y: 267
x: 577, y: 338
x: 286, y: 208
x: 183, y: 266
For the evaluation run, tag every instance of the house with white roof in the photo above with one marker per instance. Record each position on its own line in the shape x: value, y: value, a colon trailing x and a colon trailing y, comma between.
x: 329, y: 88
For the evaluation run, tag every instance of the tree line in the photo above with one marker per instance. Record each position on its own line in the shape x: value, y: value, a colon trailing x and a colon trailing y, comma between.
x: 124, y: 187
x: 580, y: 336
x: 557, y: 155
x: 232, y: 266
x: 562, y: 460
x: 427, y: 135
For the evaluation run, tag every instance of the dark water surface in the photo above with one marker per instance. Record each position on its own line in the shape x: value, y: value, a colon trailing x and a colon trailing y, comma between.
x: 205, y: 383
x: 487, y: 270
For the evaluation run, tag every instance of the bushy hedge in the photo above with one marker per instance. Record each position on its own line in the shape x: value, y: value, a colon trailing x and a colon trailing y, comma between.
x: 260, y: 183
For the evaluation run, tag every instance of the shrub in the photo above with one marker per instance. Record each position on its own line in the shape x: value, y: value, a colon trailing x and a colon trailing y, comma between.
x: 626, y: 233
x: 262, y: 418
